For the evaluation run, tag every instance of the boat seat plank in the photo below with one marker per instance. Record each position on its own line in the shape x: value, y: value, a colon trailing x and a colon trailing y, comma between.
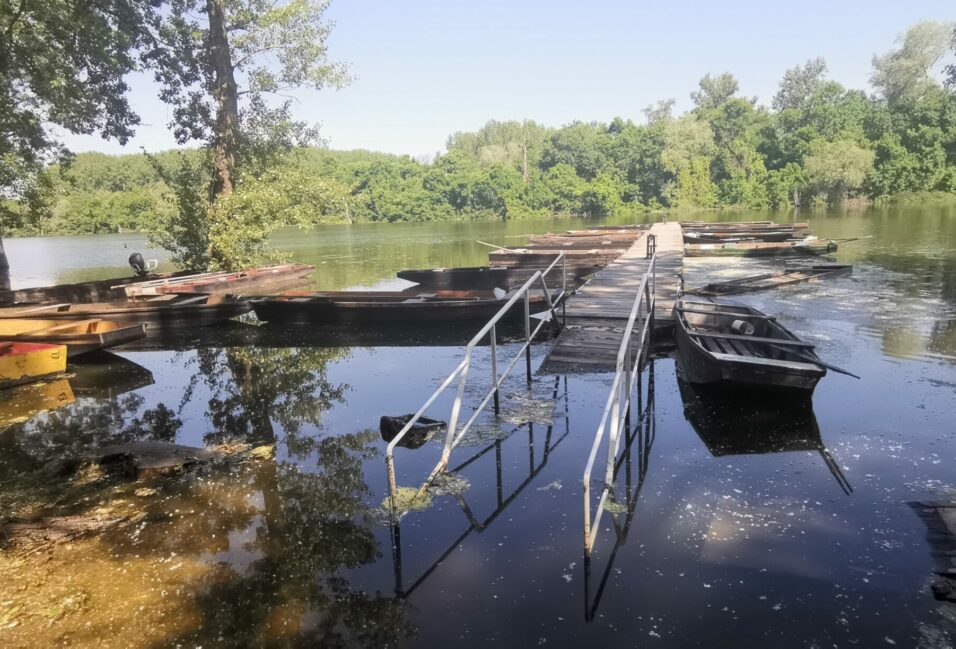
x: 752, y: 339
x: 71, y: 324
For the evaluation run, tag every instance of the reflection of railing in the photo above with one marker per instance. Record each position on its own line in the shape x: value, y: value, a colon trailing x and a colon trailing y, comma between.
x: 454, y: 435
x: 630, y: 361
x: 644, y: 434
x: 502, y: 501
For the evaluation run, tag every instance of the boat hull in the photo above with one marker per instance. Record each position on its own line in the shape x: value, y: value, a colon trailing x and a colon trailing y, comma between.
x: 83, y: 338
x: 735, y: 372
x: 380, y: 314
x: 157, y: 316
x: 483, y: 277
x: 28, y: 362
x: 758, y: 250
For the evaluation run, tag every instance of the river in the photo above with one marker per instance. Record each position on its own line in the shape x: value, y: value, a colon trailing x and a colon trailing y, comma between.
x: 737, y: 529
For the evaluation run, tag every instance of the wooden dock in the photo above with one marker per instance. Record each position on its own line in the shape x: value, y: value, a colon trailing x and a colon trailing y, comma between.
x: 597, y: 314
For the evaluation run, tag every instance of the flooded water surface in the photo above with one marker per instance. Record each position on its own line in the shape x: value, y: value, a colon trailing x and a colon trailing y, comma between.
x: 748, y: 522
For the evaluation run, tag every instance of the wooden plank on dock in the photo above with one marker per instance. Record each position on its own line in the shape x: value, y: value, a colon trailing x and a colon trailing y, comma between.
x: 597, y: 314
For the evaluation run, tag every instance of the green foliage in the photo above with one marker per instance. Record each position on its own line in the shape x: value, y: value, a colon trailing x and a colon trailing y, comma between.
x: 62, y: 67
x: 821, y: 143
x: 903, y: 75
x: 185, y: 230
x: 240, y: 223
x: 838, y: 169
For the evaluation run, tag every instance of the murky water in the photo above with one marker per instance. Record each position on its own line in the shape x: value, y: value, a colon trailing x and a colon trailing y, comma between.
x: 744, y: 524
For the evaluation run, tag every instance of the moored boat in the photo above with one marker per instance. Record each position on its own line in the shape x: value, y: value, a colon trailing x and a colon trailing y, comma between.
x: 79, y: 336
x: 387, y: 309
x: 809, y: 246
x: 730, y: 345
x: 120, y: 288
x: 271, y: 277
x: 26, y: 362
x: 691, y: 236
x: 157, y: 313
x: 773, y: 280
x: 484, y: 277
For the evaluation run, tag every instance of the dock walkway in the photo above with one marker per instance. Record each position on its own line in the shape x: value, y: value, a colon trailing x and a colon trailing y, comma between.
x: 597, y: 314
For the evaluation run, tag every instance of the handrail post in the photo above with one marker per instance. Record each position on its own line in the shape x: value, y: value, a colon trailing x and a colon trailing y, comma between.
x: 527, y: 332
x: 494, y: 367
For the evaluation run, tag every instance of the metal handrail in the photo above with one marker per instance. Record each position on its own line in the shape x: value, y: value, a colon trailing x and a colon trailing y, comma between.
x: 617, y: 408
x: 452, y: 436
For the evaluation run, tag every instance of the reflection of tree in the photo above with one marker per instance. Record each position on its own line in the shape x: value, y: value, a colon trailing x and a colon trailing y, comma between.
x: 314, y: 521
x: 252, y: 387
x: 88, y: 424
x: 312, y: 525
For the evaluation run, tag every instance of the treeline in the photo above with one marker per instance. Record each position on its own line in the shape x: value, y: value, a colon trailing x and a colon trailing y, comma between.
x: 818, y: 143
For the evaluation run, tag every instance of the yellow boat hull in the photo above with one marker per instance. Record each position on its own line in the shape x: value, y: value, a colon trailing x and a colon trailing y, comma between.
x: 28, y: 362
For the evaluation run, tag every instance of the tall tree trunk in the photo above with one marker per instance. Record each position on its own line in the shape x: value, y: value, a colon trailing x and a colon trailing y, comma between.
x: 4, y: 268
x: 524, y: 164
x: 227, y: 101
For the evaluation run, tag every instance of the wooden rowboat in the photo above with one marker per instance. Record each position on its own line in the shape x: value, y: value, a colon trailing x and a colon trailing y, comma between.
x: 734, y: 237
x: 79, y: 336
x: 730, y: 345
x: 25, y: 362
x: 773, y: 280
x: 761, y: 249
x: 387, y: 309
x: 158, y: 313
x: 115, y: 289
x: 226, y: 281
x: 484, y: 277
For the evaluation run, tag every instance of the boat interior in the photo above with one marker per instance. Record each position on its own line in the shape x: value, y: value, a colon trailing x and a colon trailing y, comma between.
x: 738, y: 330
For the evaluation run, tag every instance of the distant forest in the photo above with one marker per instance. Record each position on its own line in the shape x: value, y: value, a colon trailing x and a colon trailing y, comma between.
x: 818, y: 144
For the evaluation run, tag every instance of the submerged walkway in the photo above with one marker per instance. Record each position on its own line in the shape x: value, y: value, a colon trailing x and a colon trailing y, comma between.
x: 597, y: 314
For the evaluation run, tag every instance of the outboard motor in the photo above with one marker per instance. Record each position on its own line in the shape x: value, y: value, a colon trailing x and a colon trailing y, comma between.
x: 141, y: 267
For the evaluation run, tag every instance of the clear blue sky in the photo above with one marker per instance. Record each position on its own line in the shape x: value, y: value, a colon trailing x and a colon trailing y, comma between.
x: 425, y: 69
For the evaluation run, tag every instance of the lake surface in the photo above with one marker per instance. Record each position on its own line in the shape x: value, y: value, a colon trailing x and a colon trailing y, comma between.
x: 738, y: 524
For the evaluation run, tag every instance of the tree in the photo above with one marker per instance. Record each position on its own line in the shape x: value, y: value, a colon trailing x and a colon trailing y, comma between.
x: 62, y: 67
x: 837, y: 168
x: 951, y: 69
x: 714, y: 91
x: 240, y: 223
x: 800, y: 84
x: 266, y: 46
x: 223, y: 59
x: 903, y: 74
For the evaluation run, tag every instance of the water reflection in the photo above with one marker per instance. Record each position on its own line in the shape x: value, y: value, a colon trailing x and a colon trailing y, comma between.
x: 638, y: 439
x: 502, y: 500
x: 749, y: 425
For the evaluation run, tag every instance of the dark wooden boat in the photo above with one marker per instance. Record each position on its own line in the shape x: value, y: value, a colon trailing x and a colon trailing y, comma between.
x: 245, y: 281
x: 79, y: 336
x: 96, y: 291
x: 539, y: 259
x: 730, y: 345
x: 773, y: 280
x: 386, y: 309
x: 582, y: 243
x: 739, y: 226
x: 120, y: 288
x: 157, y: 313
x: 416, y: 437
x: 737, y: 237
x: 484, y: 277
x: 761, y: 248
